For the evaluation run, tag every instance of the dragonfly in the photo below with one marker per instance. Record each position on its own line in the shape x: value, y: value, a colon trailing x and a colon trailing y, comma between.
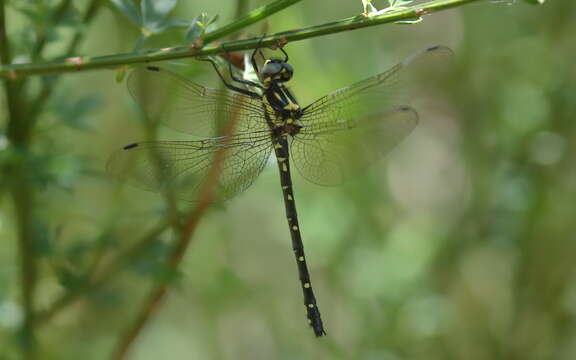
x: 331, y: 140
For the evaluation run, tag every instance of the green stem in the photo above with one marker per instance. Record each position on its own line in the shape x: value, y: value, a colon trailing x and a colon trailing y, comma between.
x: 241, y: 7
x: 113, y: 61
x: 18, y: 134
x: 250, y: 18
x: 111, y: 270
x: 94, y: 282
x: 207, y: 193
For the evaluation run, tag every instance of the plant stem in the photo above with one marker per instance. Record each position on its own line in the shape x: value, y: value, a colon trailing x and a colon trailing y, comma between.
x: 207, y: 194
x: 49, y: 84
x: 5, y: 54
x: 18, y: 134
x: 41, y: 36
x: 113, y: 268
x: 107, y: 274
x: 241, y: 7
x: 113, y: 61
x: 250, y: 18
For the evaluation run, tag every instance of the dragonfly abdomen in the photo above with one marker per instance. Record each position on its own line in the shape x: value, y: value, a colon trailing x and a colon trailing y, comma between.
x: 312, y: 311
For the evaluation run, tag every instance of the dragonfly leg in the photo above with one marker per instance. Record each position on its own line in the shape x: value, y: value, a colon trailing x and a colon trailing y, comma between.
x: 241, y: 81
x: 285, y: 54
x: 230, y: 86
x: 253, y: 56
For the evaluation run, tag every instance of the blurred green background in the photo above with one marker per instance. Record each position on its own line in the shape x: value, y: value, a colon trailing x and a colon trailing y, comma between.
x: 459, y: 245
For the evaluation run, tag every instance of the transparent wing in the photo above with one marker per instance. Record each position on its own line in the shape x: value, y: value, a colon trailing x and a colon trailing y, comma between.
x: 183, y: 166
x: 330, y: 155
x: 186, y: 106
x: 352, y: 127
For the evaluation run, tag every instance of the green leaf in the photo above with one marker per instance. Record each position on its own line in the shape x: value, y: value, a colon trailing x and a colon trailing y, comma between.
x: 368, y: 7
x: 535, y: 2
x: 155, y: 12
x: 198, y: 27
x: 409, y: 22
x: 398, y: 3
x: 128, y: 9
x: 212, y: 20
x: 120, y: 74
x: 68, y: 278
x: 74, y: 113
x: 170, y: 23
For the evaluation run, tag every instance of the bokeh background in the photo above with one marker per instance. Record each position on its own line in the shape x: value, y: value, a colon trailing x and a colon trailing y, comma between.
x: 459, y: 245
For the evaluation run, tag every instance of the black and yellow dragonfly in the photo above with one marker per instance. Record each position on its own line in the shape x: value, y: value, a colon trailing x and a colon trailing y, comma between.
x: 328, y: 141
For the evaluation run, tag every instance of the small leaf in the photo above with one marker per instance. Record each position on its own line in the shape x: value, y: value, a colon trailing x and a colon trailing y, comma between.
x: 155, y: 12
x: 212, y: 20
x: 68, y: 279
x: 120, y: 74
x: 128, y: 9
x: 176, y: 23
x: 409, y: 21
x: 75, y: 113
x: 535, y: 2
x: 42, y: 245
x: 368, y: 7
x: 399, y: 3
x: 197, y: 28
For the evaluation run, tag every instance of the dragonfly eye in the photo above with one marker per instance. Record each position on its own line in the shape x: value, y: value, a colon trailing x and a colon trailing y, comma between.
x: 286, y: 72
x: 276, y: 70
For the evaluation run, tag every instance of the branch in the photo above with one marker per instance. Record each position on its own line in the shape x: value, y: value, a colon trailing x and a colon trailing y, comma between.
x: 251, y: 18
x: 41, y: 36
x: 5, y: 55
x: 207, y: 195
x: 49, y: 84
x: 18, y: 133
x: 94, y: 282
x: 112, y: 61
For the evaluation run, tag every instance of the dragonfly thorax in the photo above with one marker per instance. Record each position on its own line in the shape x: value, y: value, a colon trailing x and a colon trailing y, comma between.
x: 282, y: 102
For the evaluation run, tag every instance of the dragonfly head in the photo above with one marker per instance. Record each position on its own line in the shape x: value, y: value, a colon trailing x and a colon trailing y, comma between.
x: 276, y: 70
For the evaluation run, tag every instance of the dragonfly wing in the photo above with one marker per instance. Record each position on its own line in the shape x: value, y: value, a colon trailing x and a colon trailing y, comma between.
x: 184, y: 166
x: 330, y: 155
x: 351, y: 127
x: 397, y: 86
x: 189, y: 107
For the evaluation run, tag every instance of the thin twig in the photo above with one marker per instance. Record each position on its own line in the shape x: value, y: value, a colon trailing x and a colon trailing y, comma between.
x: 241, y: 7
x: 250, y: 18
x: 94, y: 281
x: 41, y: 37
x: 112, y: 61
x: 18, y: 132
x: 49, y: 85
x: 5, y: 54
x: 207, y: 195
